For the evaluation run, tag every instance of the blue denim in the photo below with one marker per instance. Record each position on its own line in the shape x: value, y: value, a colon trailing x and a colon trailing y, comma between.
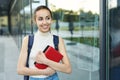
x: 52, y: 77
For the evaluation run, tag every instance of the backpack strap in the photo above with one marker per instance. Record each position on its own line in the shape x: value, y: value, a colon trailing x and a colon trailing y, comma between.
x: 30, y: 43
x: 56, y: 41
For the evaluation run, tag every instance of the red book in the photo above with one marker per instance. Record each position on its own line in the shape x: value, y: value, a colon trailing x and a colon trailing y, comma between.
x: 51, y: 54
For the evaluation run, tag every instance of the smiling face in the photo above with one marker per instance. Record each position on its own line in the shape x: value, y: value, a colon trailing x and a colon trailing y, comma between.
x: 43, y: 20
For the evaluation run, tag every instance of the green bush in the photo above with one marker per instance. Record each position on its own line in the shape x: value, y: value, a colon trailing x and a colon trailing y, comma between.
x: 85, y: 40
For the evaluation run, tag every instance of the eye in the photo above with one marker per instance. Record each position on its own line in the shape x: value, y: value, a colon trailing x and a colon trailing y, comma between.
x: 48, y: 18
x: 40, y: 18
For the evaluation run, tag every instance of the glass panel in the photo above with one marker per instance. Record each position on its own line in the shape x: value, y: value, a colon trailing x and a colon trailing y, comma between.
x: 22, y: 15
x: 4, y: 25
x: 77, y: 21
x: 114, y: 17
x: 27, y: 16
x: 79, y: 26
x: 16, y: 22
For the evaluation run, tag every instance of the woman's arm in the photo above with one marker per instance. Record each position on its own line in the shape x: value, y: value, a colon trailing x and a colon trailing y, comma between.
x: 65, y: 66
x: 23, y: 70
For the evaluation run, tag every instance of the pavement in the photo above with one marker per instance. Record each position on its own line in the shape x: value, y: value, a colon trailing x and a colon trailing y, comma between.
x: 84, y: 60
x: 9, y: 53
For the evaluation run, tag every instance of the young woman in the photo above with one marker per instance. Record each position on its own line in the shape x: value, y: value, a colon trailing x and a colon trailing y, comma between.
x: 42, y: 38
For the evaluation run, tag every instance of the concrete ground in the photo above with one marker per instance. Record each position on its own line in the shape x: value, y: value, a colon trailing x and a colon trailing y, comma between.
x: 8, y: 58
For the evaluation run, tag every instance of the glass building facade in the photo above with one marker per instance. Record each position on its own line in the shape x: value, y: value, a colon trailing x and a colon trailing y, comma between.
x: 77, y: 25
x: 109, y: 40
x: 90, y: 29
x: 114, y: 40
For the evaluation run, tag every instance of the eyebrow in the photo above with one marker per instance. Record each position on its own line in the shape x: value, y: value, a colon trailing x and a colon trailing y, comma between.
x: 41, y: 16
x: 46, y: 16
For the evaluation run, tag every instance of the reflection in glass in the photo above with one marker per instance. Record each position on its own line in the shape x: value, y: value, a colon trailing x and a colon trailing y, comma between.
x: 77, y: 21
x: 114, y: 43
x: 79, y: 26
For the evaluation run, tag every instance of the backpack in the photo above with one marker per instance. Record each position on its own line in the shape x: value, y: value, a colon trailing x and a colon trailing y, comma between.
x: 30, y: 43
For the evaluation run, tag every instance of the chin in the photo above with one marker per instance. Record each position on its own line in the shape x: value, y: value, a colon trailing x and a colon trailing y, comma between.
x: 46, y: 30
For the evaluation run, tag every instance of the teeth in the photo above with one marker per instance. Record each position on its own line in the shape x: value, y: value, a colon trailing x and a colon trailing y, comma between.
x: 44, y: 26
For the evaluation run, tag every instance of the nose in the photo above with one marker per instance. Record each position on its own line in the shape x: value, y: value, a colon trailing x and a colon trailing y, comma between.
x: 44, y: 21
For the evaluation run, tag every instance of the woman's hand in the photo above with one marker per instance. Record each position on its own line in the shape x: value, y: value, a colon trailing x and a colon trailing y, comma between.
x: 50, y: 71
x: 41, y: 58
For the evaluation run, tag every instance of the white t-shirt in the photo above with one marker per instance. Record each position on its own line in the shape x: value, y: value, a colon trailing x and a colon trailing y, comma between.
x: 41, y: 40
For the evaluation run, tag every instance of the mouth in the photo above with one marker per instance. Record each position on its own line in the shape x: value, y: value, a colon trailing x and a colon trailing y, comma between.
x: 45, y: 27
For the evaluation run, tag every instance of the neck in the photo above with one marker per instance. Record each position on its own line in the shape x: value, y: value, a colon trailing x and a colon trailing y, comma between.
x: 43, y: 33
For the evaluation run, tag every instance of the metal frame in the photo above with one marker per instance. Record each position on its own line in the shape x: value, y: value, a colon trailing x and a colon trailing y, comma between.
x: 104, y: 56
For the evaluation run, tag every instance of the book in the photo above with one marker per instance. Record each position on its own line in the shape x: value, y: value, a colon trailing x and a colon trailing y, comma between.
x: 51, y: 54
